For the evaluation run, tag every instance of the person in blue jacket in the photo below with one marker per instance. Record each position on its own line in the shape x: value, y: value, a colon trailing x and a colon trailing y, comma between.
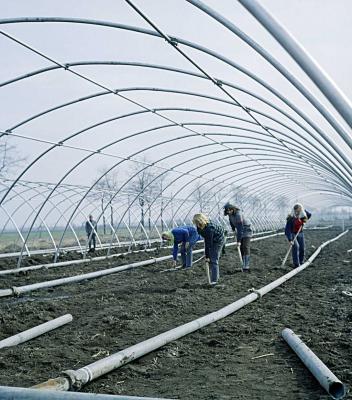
x: 294, y: 229
x: 186, y: 236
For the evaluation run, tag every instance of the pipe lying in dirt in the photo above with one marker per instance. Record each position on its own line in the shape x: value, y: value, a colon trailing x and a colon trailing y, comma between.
x: 16, y: 393
x: 104, y: 246
x: 321, y: 372
x: 69, y: 262
x: 93, y: 259
x: 319, y: 228
x: 76, y: 379
x: 29, y: 334
x: 264, y: 290
x: 16, y: 291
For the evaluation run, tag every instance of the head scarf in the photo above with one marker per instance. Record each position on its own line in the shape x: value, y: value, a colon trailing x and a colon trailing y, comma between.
x: 228, y: 206
x: 169, y: 236
x: 302, y: 214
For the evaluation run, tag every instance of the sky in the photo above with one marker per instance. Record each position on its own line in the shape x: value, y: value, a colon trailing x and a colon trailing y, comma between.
x: 322, y: 26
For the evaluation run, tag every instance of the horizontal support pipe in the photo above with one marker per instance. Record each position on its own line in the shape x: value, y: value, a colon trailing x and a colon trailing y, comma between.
x: 97, y: 274
x: 321, y: 372
x: 31, y: 333
x: 16, y: 393
x: 91, y: 259
x: 76, y: 379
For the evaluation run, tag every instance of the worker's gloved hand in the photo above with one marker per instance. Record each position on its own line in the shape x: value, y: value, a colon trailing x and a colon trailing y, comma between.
x: 238, y: 244
x: 292, y: 242
x: 174, y: 263
x: 207, y: 260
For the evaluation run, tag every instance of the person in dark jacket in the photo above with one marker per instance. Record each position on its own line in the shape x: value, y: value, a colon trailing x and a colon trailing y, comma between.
x: 186, y: 236
x: 214, y: 238
x: 241, y: 227
x: 294, y: 228
x: 91, y: 230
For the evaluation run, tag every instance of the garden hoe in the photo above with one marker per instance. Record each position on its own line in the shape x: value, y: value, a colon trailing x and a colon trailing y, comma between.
x: 207, y: 271
x: 240, y: 256
x: 290, y: 248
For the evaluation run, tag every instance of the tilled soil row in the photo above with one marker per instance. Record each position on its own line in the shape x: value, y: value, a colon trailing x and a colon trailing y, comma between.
x: 217, y: 362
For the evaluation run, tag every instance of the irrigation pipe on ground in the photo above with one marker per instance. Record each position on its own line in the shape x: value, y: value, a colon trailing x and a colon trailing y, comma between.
x: 321, y: 372
x: 75, y: 379
x: 70, y: 262
x: 15, y: 291
x: 35, y: 331
x: 16, y: 393
x: 89, y: 260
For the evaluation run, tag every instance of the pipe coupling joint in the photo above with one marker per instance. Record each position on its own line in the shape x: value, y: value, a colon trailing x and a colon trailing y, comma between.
x: 257, y: 292
x: 15, y: 291
x: 73, y: 378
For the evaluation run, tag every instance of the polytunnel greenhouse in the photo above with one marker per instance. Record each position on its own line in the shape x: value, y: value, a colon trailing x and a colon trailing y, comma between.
x: 129, y: 126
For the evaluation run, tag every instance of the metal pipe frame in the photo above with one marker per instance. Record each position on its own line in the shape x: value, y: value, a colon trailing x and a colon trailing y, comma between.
x: 303, y: 59
x: 270, y: 162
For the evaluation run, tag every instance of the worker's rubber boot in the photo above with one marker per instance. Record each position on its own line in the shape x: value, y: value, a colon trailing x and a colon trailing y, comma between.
x: 245, y: 263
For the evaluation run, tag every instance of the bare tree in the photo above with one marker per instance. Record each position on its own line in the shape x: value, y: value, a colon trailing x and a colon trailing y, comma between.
x: 106, y: 189
x: 282, y: 204
x: 8, y: 159
x: 202, y: 195
x: 143, y: 186
x: 238, y: 195
x: 161, y: 185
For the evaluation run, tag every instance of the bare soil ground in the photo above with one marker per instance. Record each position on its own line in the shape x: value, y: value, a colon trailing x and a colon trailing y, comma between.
x: 216, y: 362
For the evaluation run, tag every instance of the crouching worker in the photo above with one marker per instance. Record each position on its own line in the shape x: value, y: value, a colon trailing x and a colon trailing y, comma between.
x: 214, y: 239
x: 187, y: 237
x: 294, y: 232
x: 241, y: 226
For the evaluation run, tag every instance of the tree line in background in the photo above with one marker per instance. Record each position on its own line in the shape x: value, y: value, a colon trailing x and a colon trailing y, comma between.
x: 148, y: 183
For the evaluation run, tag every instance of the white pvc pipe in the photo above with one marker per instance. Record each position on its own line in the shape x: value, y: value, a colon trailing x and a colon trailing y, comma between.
x: 69, y: 262
x: 264, y: 290
x: 17, y: 290
x: 77, y: 278
x: 75, y: 379
x: 35, y: 331
x: 93, y: 259
x: 16, y: 393
x: 321, y: 372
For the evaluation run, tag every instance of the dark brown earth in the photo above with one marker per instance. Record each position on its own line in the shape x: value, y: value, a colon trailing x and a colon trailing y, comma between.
x: 216, y: 362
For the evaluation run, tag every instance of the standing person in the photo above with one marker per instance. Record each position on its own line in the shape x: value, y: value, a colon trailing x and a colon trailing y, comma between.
x: 214, y: 238
x: 294, y: 224
x: 241, y: 226
x: 187, y: 236
x: 91, y: 229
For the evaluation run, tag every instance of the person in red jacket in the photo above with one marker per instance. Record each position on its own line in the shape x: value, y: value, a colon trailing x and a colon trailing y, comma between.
x: 294, y: 229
